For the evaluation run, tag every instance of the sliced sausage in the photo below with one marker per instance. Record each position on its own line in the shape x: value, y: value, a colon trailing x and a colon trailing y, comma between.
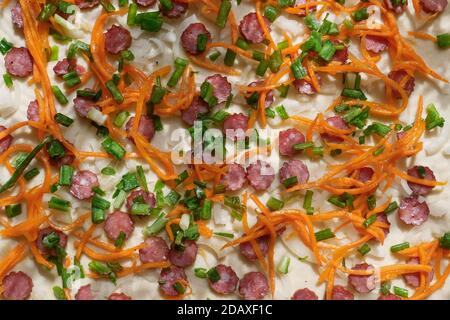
x: 389, y: 296
x: 416, y: 172
x: 304, y: 294
x: 196, y: 108
x: 340, y: 293
x: 304, y: 87
x: 221, y: 87
x: 146, y: 127
x: 382, y: 217
x: 260, y: 175
x: 360, y: 283
x: 235, y: 178
x: 337, y: 122
x: 253, y: 286
x: 84, y: 105
x: 340, y: 55
x: 247, y: 251
x: 87, y: 4
x: 179, y: 8
x: 185, y: 255
x: 365, y: 174
x: 294, y: 168
x: 413, y: 279
x: 376, y: 44
x: 45, y: 232
x: 412, y: 211
x: 145, y: 3
x: 16, y: 16
x: 33, y: 111
x: 398, y: 9
x: 269, y: 95
x: 82, y: 183
x: 433, y: 6
x: 235, y: 126
x: 190, y: 35
x: 67, y: 159
x: 64, y: 66
x: 116, y: 223
x: 17, y: 286
x: 84, y: 293
x: 397, y: 76
x: 168, y: 277
x: 117, y: 39
x: 287, y: 139
x: 119, y: 296
x: 251, y: 29
x: 147, y: 197
x: 155, y: 250
x: 19, y: 62
x: 5, y: 142
x: 228, y: 280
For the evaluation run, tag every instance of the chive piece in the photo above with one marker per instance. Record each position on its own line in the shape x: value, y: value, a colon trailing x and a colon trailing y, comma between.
x: 336, y: 200
x: 54, y: 53
x: 379, y: 151
x: 444, y: 241
x: 298, y: 71
x: 229, y: 58
x: 47, y: 11
x: 214, y: 56
x: 65, y: 175
x: 371, y: 202
x: 328, y: 50
x: 120, y: 199
x: 224, y: 11
x: 112, y: 88
x: 24, y: 164
x: 113, y: 148
x: 433, y: 118
x: 369, y: 221
x: 129, y: 182
x: 120, y: 118
x: 156, y: 227
x: 59, y: 294
x: 8, y: 80
x: 98, y: 215
x: 275, y: 61
x: 360, y: 15
x: 100, y: 203
x: 348, y: 24
x: 335, y: 152
x: 166, y: 4
x: 258, y: 55
x: 353, y: 94
x: 233, y: 202
x: 132, y: 12
x: 140, y: 209
x: 283, y: 45
x: 283, y: 90
x: 30, y: 174
x: 224, y: 234
x: 13, y: 210
x: 158, y: 93
x: 213, y: 275
x: 271, y: 13
x: 59, y: 95
x: 108, y: 171
x: 207, y: 94
x: 286, y: 3
x: 90, y: 94
x: 324, y: 234
x: 270, y: 113
x: 378, y: 128
x: 303, y: 146
x: 362, y: 139
x: 206, y: 211
x: 120, y: 239
x: 107, y: 6
x: 443, y: 40
x: 179, y: 287
x: 283, y: 266
x: 274, y: 204
x: 201, y: 273
x: 202, y: 41
x: 282, y: 112
x: 141, y: 178
x: 56, y: 150
x: 150, y: 21
x: 364, y: 249
x: 220, y: 188
x: 172, y: 198
x: 262, y: 68
x: 400, y: 247
x: 62, y: 119
x: 290, y: 182
x: 5, y: 46
x: 59, y: 204
x: 392, y: 207
x: 180, y: 65
x: 66, y: 7
x: 220, y: 116
x: 307, y: 201
x: 311, y: 22
x: 401, y: 292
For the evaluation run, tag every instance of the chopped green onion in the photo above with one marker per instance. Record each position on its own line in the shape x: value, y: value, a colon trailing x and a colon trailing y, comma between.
x: 206, y: 211
x: 282, y: 45
x: 63, y: 119
x: 119, y: 199
x: 214, y: 56
x: 108, y: 171
x: 112, y: 88
x: 207, y: 93
x: 107, y: 6
x: 286, y: 3
x: 379, y: 151
x: 274, y: 204
x: 378, y: 128
x: 224, y: 11
x: 371, y: 202
x: 270, y: 113
x: 8, y: 80
x: 5, y: 46
x: 298, y: 71
x: 444, y: 241
x: 54, y: 53
x: 66, y: 7
x: 180, y: 65
x: 275, y: 61
x: 100, y: 203
x: 65, y: 175
x: 328, y: 50
x: 369, y: 221
x: 360, y: 14
x: 443, y: 40
x: 56, y: 150
x: 59, y: 204
x: 158, y: 93
x: 120, y: 118
x: 141, y: 178
x: 229, y: 58
x: 258, y: 55
x: 156, y: 227
x: 303, y: 146
x: 213, y: 275
x: 283, y: 266
x: 120, y: 239
x: 166, y: 4
x: 224, y: 234
x: 401, y: 292
x: 220, y: 188
x: 59, y: 293
x: 336, y: 200
x: 150, y: 21
x: 47, y: 11
x: 202, y: 41
x: 13, y: 210
x: 270, y: 13
x: 30, y: 174
x: 364, y: 249
x: 353, y: 94
x: 392, y: 207
x: 290, y: 182
x: 282, y: 112
x: 113, y: 148
x: 140, y: 209
x: 98, y: 215
x: 311, y: 22
x: 179, y: 287
x: 59, y: 95
x: 201, y: 273
x: 324, y: 234
x: 283, y: 90
x: 262, y: 68
x: 220, y: 116
x: 335, y: 152
x: 433, y: 118
x: 400, y: 247
x: 172, y: 198
x: 385, y: 287
x: 307, y: 201
x: 132, y: 12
